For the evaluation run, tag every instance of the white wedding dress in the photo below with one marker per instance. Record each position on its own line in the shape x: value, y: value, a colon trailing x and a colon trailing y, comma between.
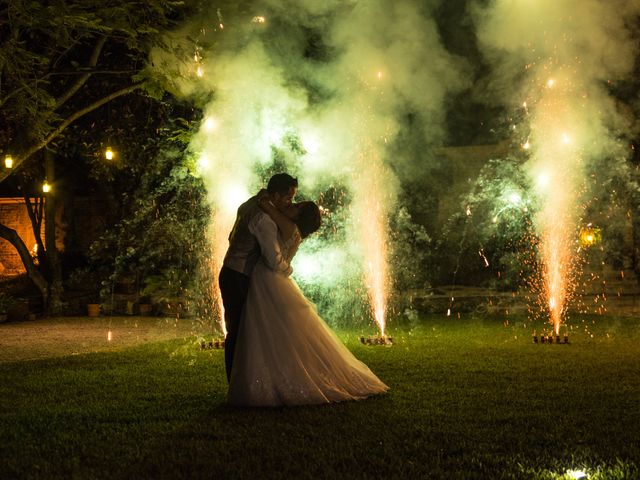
x: 286, y: 354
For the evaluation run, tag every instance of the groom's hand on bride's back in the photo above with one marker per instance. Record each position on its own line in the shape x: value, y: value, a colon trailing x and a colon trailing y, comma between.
x: 263, y: 195
x: 264, y: 201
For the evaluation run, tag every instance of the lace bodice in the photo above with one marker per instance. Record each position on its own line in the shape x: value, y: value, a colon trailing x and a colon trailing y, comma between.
x: 290, y: 247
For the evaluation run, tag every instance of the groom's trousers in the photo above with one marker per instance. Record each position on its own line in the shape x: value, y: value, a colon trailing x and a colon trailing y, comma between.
x: 234, y: 287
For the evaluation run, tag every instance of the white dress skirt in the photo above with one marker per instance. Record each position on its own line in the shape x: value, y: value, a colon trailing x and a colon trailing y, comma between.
x: 287, y: 355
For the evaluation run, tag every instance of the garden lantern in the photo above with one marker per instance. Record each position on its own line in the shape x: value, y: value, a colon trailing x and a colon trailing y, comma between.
x: 109, y: 153
x: 8, y: 161
x: 46, y: 188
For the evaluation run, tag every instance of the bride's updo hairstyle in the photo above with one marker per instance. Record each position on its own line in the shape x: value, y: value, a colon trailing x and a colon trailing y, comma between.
x: 309, y: 219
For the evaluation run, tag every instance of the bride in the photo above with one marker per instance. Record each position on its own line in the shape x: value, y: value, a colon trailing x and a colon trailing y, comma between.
x: 286, y: 354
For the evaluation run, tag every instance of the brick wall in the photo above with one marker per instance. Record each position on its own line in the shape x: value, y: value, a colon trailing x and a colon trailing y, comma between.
x: 13, y: 214
x: 79, y: 222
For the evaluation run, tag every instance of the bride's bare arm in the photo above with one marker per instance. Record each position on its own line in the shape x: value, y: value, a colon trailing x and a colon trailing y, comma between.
x: 285, y: 224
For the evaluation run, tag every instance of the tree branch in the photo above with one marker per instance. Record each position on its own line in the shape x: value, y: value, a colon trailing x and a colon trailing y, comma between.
x: 35, y: 215
x: 24, y: 86
x: 93, y: 60
x: 34, y: 274
x: 19, y: 159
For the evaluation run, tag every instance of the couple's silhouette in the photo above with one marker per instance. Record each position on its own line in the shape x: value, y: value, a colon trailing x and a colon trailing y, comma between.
x: 278, y: 350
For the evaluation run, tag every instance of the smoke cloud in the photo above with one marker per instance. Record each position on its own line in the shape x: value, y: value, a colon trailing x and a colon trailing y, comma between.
x: 339, y: 77
x: 325, y: 89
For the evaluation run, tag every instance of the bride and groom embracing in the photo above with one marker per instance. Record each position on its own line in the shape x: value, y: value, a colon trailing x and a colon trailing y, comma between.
x: 278, y: 351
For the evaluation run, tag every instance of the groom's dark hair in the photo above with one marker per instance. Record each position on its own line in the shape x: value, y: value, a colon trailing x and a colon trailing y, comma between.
x: 309, y: 219
x: 281, y: 183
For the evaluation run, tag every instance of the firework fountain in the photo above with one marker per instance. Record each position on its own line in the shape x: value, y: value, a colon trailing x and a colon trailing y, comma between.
x: 556, y: 164
x: 338, y: 80
x: 370, y: 214
x: 567, y: 53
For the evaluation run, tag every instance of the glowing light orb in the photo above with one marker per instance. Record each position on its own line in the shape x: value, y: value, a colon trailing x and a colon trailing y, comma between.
x: 209, y: 124
x: 543, y: 180
x: 311, y: 144
x: 590, y: 236
x: 306, y: 267
x: 514, y: 198
x: 46, y: 188
x: 551, y: 82
x: 109, y: 154
x: 526, y: 145
x: 8, y: 162
x: 577, y: 474
x: 203, y: 163
x: 232, y: 196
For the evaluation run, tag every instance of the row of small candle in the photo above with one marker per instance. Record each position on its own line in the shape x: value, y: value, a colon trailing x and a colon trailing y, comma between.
x: 548, y: 338
x: 212, y: 344
x: 376, y: 340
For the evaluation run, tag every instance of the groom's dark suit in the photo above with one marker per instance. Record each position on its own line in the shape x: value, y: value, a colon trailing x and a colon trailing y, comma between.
x: 253, y: 228
x: 241, y: 257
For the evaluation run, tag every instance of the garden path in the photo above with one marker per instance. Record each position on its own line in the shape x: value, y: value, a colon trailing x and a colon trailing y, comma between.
x: 61, y: 336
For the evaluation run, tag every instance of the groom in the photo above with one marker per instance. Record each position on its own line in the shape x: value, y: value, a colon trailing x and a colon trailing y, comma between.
x: 253, y: 227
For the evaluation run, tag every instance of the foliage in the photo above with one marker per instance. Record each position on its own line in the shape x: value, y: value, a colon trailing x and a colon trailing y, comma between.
x: 47, y: 51
x: 410, y: 252
x: 329, y: 276
x: 160, y: 240
x: 490, y: 240
x: 612, y: 204
x: 156, y: 239
x: 60, y: 61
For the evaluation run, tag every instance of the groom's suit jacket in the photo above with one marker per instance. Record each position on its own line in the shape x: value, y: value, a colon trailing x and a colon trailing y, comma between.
x: 254, y: 235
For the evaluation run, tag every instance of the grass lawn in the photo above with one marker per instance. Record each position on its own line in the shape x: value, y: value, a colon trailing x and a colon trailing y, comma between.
x: 469, y: 399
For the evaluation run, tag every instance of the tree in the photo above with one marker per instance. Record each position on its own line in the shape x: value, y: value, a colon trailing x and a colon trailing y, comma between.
x: 59, y: 61
x: 490, y: 240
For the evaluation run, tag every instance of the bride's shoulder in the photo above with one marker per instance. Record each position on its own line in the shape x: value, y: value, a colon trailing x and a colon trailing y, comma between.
x: 294, y: 239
